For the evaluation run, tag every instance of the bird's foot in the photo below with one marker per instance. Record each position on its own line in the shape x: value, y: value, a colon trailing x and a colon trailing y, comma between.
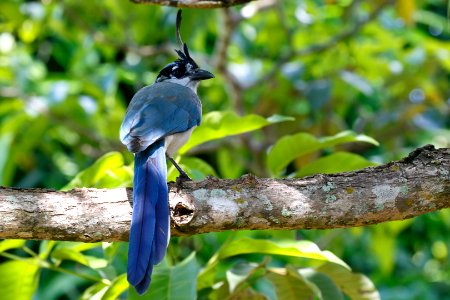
x: 183, y: 176
x: 182, y: 179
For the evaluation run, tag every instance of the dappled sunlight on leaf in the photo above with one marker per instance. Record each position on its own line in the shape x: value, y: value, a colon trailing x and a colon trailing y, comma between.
x: 216, y: 125
x: 290, y: 147
x: 108, y: 171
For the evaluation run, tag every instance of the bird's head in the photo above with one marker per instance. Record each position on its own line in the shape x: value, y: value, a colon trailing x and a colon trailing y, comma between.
x: 184, y: 70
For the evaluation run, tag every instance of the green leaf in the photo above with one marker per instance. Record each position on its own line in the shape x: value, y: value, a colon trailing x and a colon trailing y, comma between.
x: 227, y: 169
x: 108, y: 171
x: 18, y: 279
x: 303, y: 249
x: 356, y: 286
x: 216, y: 125
x: 94, y: 292
x: 290, y: 147
x: 197, y: 167
x: 358, y: 82
x: 247, y: 294
x: 11, y: 244
x: 117, y: 287
x: 384, y: 237
x: 289, y: 284
x: 170, y: 283
x: 239, y: 273
x: 432, y: 19
x: 70, y: 254
x: 220, y: 291
x: 335, y: 163
x: 346, y: 137
x: 383, y: 248
x: 78, y: 246
x: 326, y: 288
x: 110, y: 250
x: 45, y: 247
x: 5, y: 144
x: 10, y: 126
x: 242, y: 275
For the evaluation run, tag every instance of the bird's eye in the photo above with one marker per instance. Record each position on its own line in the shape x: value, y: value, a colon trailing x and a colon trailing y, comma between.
x: 178, y: 71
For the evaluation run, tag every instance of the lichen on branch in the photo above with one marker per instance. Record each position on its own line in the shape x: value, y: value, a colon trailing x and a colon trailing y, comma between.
x: 417, y: 184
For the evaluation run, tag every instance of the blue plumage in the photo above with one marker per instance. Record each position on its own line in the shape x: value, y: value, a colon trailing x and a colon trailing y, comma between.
x: 159, y: 110
x: 155, y: 112
x: 159, y: 120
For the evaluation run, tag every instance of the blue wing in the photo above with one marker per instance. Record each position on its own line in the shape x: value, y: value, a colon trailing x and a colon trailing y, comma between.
x: 155, y: 112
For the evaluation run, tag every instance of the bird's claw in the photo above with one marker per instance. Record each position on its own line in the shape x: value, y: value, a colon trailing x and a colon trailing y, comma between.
x: 181, y: 180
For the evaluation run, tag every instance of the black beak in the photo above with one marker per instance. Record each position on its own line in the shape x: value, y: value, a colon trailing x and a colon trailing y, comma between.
x: 200, y: 74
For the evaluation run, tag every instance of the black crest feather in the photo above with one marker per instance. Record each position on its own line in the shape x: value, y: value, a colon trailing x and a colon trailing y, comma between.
x: 180, y: 41
x: 183, y: 53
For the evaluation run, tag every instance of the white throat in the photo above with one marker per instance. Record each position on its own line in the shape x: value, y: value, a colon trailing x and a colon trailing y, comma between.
x: 187, y: 82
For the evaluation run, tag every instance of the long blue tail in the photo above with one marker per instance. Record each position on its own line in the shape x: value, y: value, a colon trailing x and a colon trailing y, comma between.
x: 149, y: 233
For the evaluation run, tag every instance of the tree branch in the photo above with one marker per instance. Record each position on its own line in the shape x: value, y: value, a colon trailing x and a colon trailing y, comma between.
x: 417, y: 184
x: 193, y: 3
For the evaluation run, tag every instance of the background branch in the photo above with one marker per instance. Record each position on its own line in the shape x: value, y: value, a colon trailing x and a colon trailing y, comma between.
x: 321, y: 46
x: 194, y: 3
x: 418, y: 184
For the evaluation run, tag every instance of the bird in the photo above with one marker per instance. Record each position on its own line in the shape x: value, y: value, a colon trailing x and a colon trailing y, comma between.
x: 159, y: 120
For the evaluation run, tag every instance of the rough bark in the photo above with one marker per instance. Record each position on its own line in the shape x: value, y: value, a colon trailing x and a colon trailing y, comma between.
x: 193, y: 3
x: 417, y: 184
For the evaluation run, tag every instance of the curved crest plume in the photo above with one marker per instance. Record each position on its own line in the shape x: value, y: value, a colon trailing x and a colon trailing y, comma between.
x: 180, y: 41
x: 184, y: 52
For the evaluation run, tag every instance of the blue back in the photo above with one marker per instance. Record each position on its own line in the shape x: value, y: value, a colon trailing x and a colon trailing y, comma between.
x: 157, y: 111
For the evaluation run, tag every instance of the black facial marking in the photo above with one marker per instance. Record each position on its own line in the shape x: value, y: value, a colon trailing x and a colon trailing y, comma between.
x: 177, y: 69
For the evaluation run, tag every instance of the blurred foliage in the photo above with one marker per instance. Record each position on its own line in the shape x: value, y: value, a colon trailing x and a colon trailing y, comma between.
x: 301, y: 87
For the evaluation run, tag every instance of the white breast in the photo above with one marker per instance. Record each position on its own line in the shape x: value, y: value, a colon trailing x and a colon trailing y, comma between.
x: 176, y: 141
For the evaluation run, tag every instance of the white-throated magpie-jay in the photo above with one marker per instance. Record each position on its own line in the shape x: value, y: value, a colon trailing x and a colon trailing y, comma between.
x: 159, y: 120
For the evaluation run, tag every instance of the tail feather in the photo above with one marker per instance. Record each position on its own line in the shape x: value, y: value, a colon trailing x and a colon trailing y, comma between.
x: 162, y: 224
x: 149, y: 231
x: 142, y: 286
